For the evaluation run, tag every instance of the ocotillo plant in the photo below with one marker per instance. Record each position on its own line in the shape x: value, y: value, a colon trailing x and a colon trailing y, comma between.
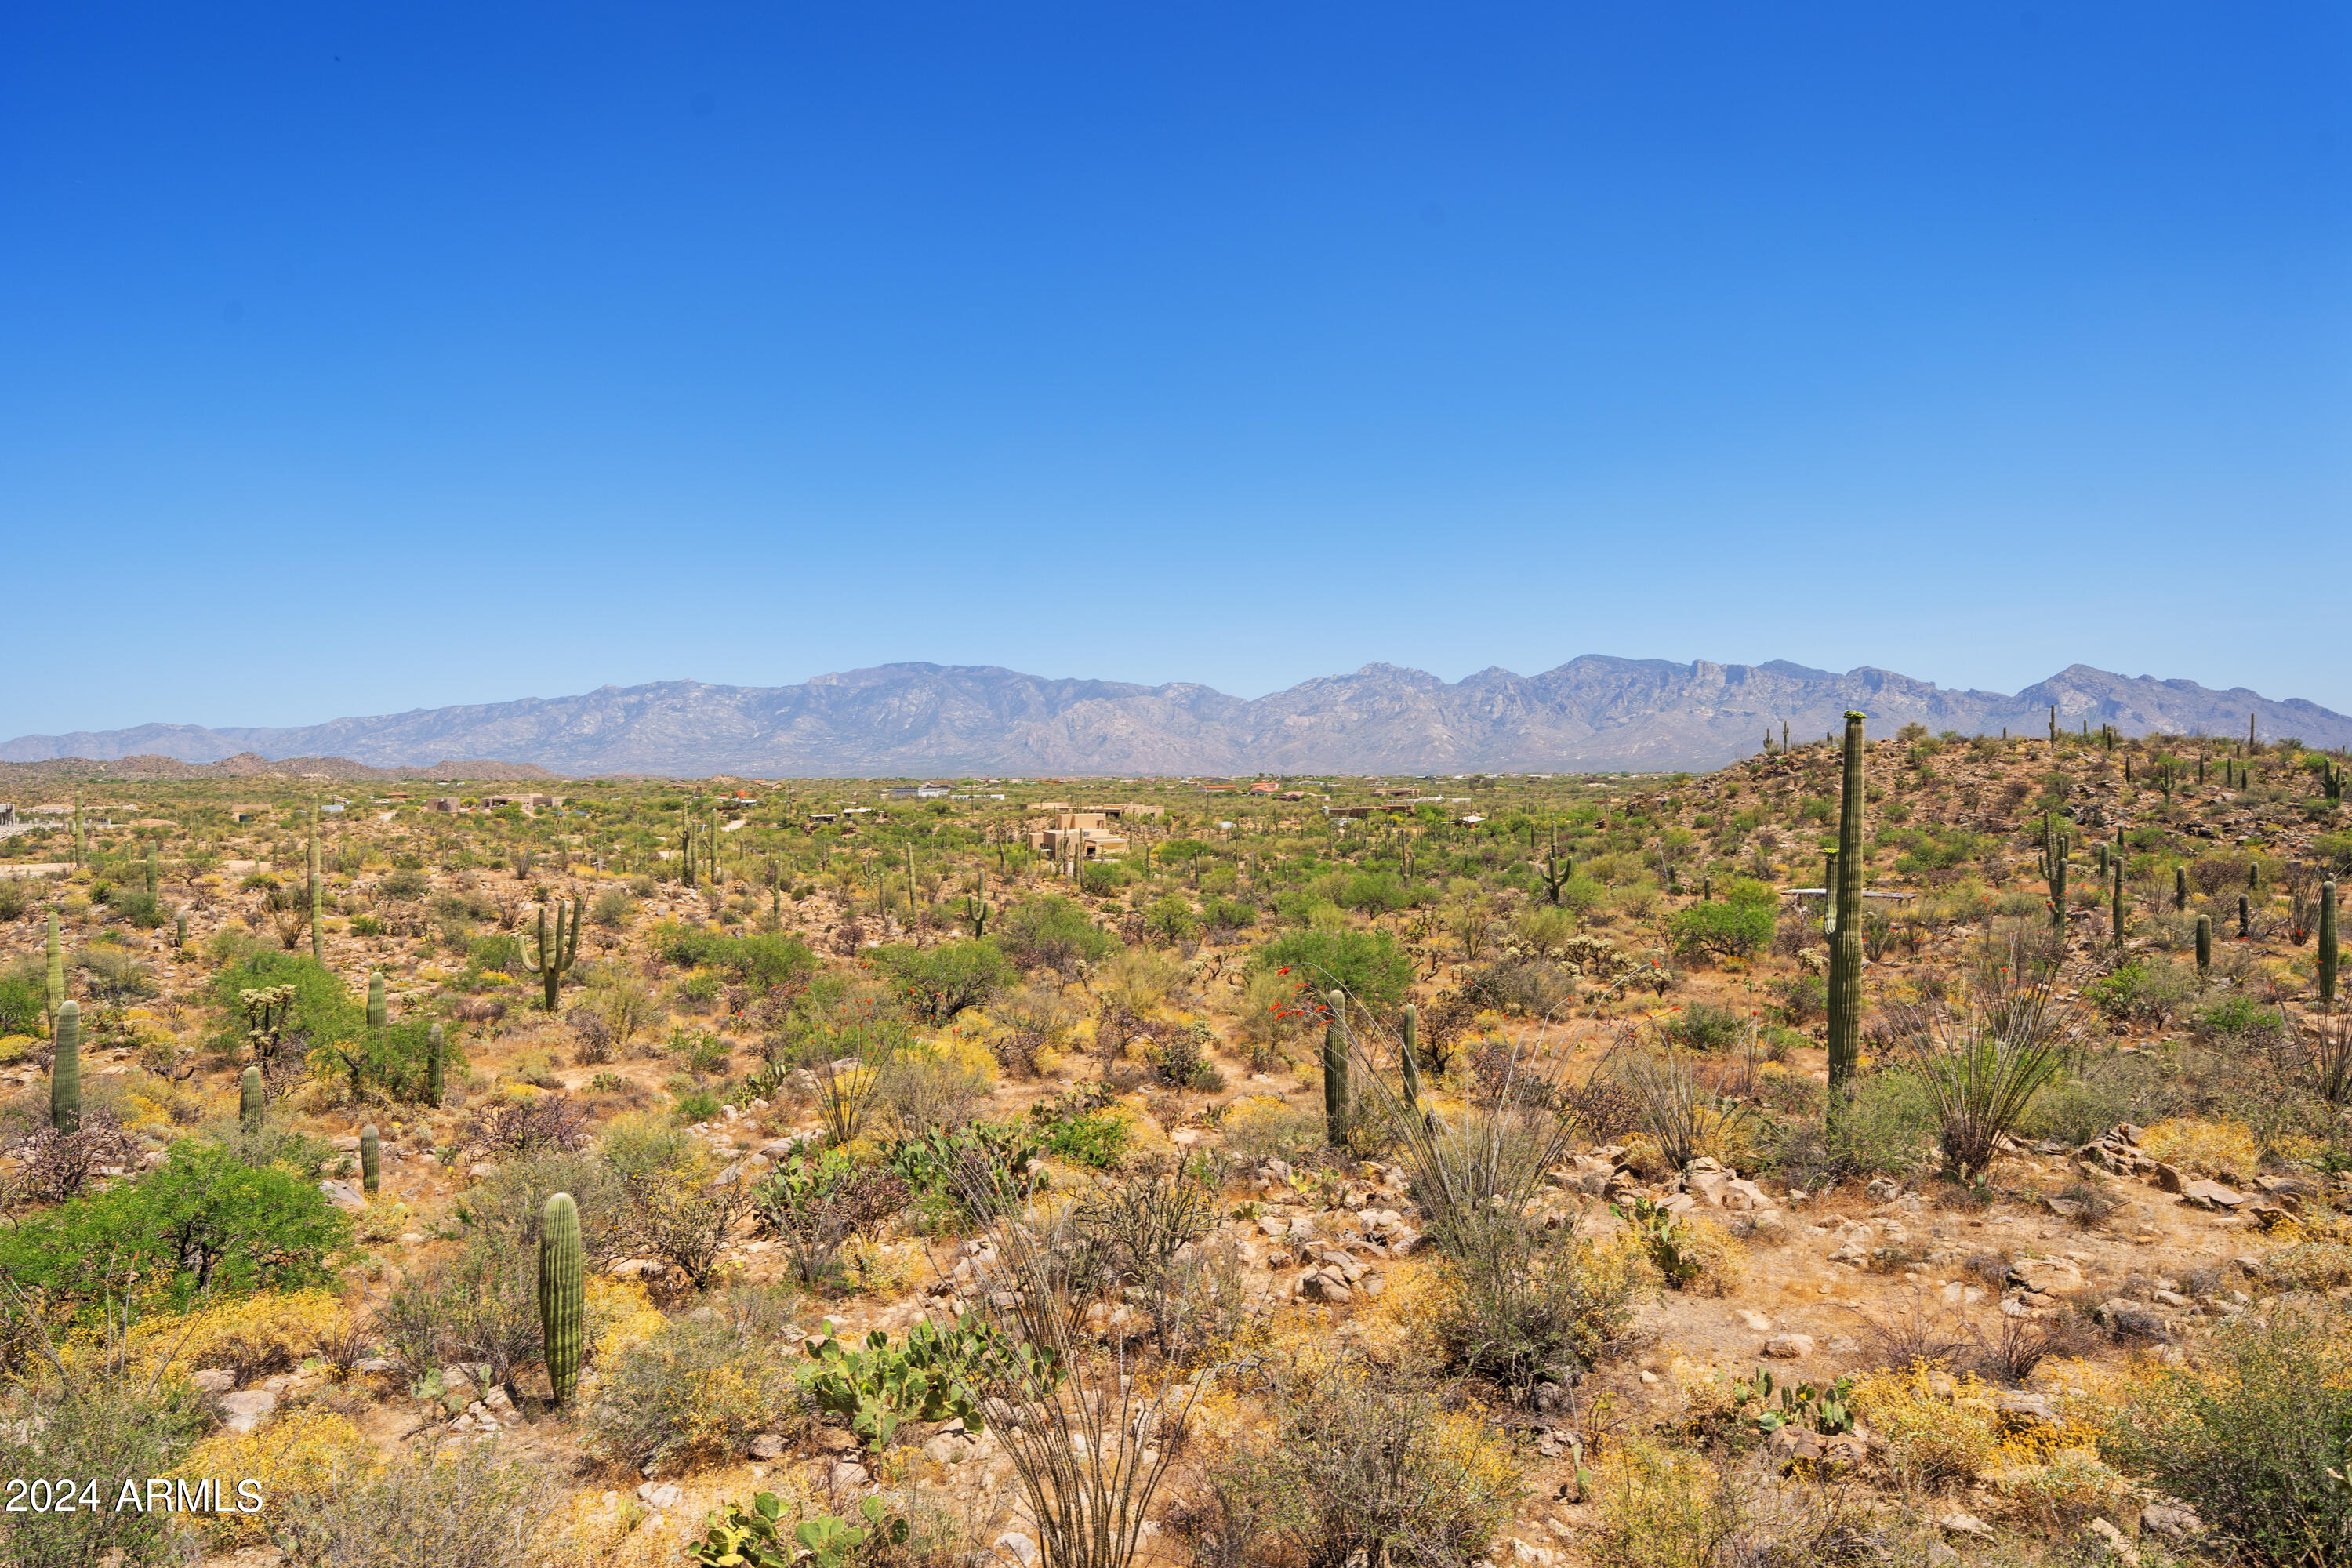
x: 561, y: 1320
x: 371, y: 1158
x: 1335, y: 1073
x: 1845, y: 921
x: 2204, y: 943
x: 2327, y: 943
x: 65, y: 1071
x: 555, y: 956
x: 250, y: 1100
x: 1409, y: 1055
x: 433, y: 1053
x: 57, y: 976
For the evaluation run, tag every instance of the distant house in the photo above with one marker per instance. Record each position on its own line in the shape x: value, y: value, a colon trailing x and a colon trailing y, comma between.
x: 246, y: 812
x: 449, y: 804
x: 1077, y: 836
x: 531, y: 801
x: 7, y: 816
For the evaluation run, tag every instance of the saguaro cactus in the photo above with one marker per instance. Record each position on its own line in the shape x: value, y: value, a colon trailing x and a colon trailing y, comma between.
x: 180, y: 930
x: 2327, y: 943
x: 2054, y: 871
x: 976, y: 911
x: 2204, y: 943
x: 250, y: 1100
x: 1845, y: 920
x: 433, y: 1053
x: 2181, y: 887
x: 2245, y: 918
x: 1408, y: 1054
x: 64, y: 1072
x: 2117, y: 868
x: 375, y: 1008
x: 371, y: 1158
x: 555, y: 955
x: 561, y: 1320
x: 56, y: 971
x: 318, y: 895
x: 1554, y: 870
x: 1335, y: 1072
x: 154, y: 874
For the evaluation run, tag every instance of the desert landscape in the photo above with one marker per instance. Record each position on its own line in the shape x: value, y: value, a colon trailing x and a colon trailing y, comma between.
x: 1325, y: 1169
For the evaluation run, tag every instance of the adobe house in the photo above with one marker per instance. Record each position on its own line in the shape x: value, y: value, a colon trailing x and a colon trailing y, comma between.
x: 1077, y: 836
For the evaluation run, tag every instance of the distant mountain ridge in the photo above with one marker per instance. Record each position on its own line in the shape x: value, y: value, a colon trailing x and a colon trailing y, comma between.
x: 1594, y: 713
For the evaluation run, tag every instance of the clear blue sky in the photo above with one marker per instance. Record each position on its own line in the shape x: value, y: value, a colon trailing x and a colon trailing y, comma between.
x: 360, y: 359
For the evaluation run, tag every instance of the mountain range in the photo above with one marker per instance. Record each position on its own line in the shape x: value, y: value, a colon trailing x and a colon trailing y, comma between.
x: 1593, y: 714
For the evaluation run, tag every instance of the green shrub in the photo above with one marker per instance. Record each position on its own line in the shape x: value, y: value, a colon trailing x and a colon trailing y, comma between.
x: 2238, y: 1019
x: 1525, y: 1304
x: 941, y: 981
x: 1170, y: 920
x: 1369, y: 966
x: 697, y: 1391
x: 324, y: 1009
x: 2257, y: 1434
x: 694, y: 1108
x: 2145, y: 990
x: 114, y: 1426
x: 1730, y: 927
x: 1096, y: 1139
x: 760, y: 962
x: 1235, y: 912
x: 464, y: 1505
x: 1704, y: 1027
x: 24, y: 999
x: 1051, y: 932
x: 1363, y: 1463
x: 203, y: 1219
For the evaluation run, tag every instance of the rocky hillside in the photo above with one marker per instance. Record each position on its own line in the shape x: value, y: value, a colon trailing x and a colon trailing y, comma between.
x: 1592, y: 714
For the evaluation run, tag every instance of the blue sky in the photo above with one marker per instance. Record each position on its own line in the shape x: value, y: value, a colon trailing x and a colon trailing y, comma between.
x: 352, y: 361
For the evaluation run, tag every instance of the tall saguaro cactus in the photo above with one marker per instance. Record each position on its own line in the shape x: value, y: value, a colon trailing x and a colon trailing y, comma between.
x: 556, y: 953
x: 1409, y: 1053
x: 371, y: 1158
x: 65, y: 1071
x: 318, y: 894
x: 561, y: 1289
x: 250, y: 1100
x: 1844, y: 921
x: 375, y: 1007
x: 2117, y: 900
x: 1335, y: 1072
x: 1554, y: 870
x: 2204, y: 943
x: 57, y: 976
x: 2055, y: 850
x: 2327, y: 943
